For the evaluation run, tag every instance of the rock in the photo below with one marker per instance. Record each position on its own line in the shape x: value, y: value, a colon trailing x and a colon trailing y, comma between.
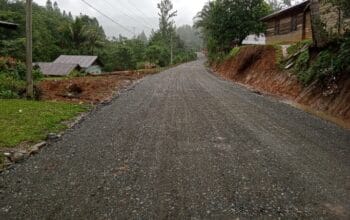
x: 53, y: 137
x: 36, y: 148
x: 18, y: 157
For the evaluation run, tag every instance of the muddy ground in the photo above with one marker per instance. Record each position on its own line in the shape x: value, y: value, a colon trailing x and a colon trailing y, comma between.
x: 89, y: 89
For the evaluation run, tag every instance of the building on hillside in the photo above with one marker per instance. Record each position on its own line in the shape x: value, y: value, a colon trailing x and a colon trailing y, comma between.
x: 57, y: 69
x: 88, y: 64
x: 8, y: 25
x: 289, y: 25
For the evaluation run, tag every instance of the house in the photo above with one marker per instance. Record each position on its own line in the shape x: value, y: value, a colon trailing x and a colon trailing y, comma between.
x: 89, y: 64
x: 254, y: 39
x: 57, y: 69
x: 8, y: 25
x: 289, y: 25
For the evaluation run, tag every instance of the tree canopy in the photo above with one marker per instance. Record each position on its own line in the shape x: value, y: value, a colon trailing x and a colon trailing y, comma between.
x: 225, y: 23
x: 57, y: 32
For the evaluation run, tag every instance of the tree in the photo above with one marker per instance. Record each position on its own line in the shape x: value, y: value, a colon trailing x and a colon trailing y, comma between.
x: 319, y: 34
x: 56, y: 8
x: 49, y: 5
x: 344, y: 5
x: 142, y: 37
x: 278, y: 5
x: 190, y: 36
x: 226, y: 23
x: 166, y: 15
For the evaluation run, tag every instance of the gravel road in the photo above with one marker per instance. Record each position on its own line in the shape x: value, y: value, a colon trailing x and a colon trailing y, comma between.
x: 185, y: 144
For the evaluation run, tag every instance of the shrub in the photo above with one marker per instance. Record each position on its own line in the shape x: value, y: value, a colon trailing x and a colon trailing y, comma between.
x: 302, y: 62
x: 158, y: 55
x: 17, y: 70
x: 8, y: 94
x: 234, y: 52
x: 76, y: 73
x: 298, y: 46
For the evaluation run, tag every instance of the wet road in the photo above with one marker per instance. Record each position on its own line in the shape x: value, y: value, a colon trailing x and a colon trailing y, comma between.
x: 184, y: 144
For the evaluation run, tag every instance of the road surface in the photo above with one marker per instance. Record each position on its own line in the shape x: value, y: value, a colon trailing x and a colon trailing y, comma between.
x: 185, y: 144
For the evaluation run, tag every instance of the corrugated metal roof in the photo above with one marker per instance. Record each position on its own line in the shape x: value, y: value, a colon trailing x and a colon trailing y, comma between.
x: 83, y: 61
x: 301, y: 5
x: 56, y: 69
x: 8, y: 25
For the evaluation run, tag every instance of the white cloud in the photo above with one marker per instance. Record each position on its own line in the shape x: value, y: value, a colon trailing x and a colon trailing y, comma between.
x: 135, y: 15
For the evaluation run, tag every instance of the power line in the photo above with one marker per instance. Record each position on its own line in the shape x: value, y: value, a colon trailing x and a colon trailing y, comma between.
x: 132, y: 4
x: 129, y: 16
x: 111, y: 19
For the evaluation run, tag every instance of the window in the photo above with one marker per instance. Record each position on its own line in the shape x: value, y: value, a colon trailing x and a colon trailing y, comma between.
x: 294, y: 24
x: 277, y: 27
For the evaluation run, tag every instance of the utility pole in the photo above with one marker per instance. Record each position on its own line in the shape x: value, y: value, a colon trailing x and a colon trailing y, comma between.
x: 171, y: 48
x: 29, y: 45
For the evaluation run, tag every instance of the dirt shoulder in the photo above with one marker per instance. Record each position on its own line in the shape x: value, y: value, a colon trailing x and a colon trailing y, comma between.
x: 89, y: 89
x: 256, y: 67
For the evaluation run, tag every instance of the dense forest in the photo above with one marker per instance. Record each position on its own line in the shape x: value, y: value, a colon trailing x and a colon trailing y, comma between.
x: 58, y: 32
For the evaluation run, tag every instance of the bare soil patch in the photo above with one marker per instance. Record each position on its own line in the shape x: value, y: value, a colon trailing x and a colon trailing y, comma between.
x: 89, y: 89
x: 256, y: 67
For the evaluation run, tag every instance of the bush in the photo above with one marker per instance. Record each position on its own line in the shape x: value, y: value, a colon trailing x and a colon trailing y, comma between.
x: 330, y: 62
x: 11, y: 87
x: 298, y: 46
x: 17, y: 70
x: 12, y: 78
x: 76, y: 73
x: 158, y: 55
x: 234, y: 52
x: 8, y: 94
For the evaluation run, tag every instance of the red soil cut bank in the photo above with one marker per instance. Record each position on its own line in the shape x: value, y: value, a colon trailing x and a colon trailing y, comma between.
x: 256, y: 67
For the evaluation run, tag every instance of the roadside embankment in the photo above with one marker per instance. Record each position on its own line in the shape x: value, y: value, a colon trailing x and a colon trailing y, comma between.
x: 257, y: 67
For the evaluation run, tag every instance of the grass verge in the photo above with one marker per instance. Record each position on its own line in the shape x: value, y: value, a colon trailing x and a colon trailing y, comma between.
x: 31, y: 121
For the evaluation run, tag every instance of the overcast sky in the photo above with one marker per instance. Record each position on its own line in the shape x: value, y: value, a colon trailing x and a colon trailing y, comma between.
x: 135, y: 15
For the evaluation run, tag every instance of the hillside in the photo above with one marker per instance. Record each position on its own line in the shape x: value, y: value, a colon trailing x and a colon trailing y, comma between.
x: 256, y: 67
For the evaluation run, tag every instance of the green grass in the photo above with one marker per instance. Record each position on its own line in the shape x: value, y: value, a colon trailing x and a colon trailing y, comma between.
x: 22, y: 121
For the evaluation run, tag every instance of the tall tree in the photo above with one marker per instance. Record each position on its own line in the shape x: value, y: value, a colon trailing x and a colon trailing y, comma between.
x: 166, y: 15
x: 56, y: 8
x: 49, y: 5
x: 225, y: 23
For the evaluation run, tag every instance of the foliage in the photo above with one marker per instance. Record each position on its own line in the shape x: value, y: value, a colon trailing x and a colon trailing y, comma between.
x: 56, y: 32
x: 298, y: 46
x: 226, y: 23
x: 330, y: 62
x: 234, y: 52
x: 165, y: 44
x: 343, y: 4
x: 12, y: 77
x: 190, y: 36
x: 77, y: 73
x: 40, y: 119
x: 158, y: 55
x: 278, y: 5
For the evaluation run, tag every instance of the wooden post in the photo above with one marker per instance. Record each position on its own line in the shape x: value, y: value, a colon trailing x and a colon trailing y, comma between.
x: 319, y: 34
x: 171, y: 48
x: 29, y: 45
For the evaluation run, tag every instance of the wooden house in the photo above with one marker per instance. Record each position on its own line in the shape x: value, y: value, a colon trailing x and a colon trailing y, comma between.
x: 289, y: 25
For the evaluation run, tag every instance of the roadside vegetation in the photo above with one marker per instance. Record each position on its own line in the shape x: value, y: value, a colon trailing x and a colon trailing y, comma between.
x: 31, y: 121
x: 225, y: 24
x: 323, y: 65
